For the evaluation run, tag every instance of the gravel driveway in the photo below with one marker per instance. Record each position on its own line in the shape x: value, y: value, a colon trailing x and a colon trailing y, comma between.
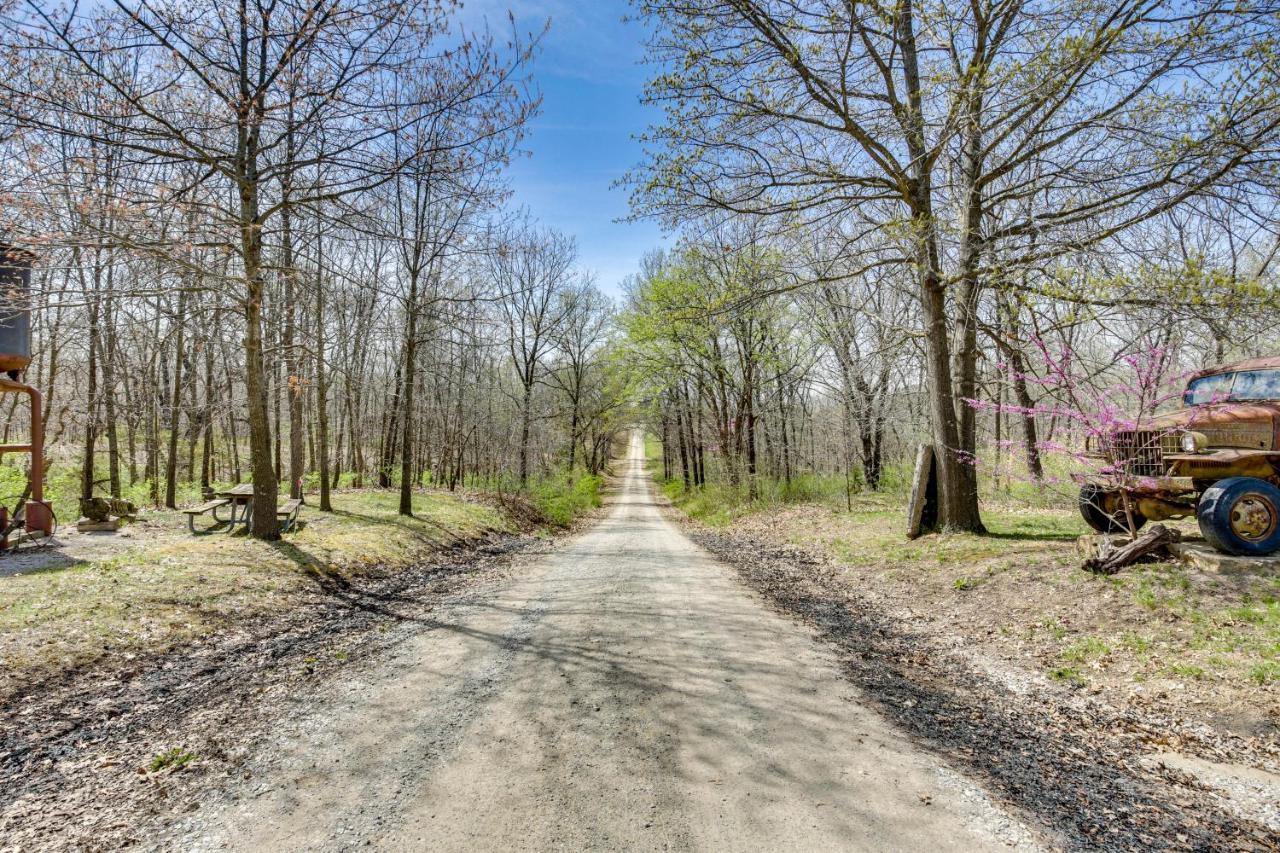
x: 624, y: 693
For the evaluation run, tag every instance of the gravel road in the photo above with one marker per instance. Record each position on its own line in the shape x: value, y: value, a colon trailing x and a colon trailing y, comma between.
x: 626, y: 692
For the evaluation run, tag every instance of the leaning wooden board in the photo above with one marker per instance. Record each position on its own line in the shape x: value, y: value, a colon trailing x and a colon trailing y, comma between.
x: 920, y: 514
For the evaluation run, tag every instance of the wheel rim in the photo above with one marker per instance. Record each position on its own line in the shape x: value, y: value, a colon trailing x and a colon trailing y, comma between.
x: 1254, y: 517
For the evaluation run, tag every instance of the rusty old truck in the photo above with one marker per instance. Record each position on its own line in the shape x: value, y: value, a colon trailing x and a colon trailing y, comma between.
x: 1217, y: 458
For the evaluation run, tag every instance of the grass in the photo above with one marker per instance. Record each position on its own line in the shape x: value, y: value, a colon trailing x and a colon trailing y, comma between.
x: 1084, y: 650
x: 172, y: 759
x: 563, y: 498
x: 1187, y: 670
x: 718, y: 504
x: 1055, y: 628
x: 62, y: 488
x: 1265, y: 672
x: 166, y: 587
x: 652, y: 452
x: 1136, y: 643
x: 1068, y: 675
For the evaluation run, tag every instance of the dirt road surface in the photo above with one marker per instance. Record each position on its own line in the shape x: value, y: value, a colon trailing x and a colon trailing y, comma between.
x: 624, y: 693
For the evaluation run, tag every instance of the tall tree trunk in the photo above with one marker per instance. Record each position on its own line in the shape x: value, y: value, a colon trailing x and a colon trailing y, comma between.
x: 957, y: 502
x: 110, y: 415
x: 391, y: 433
x: 1022, y: 394
x: 684, y: 450
x: 1006, y: 339
x: 265, y: 525
x: 526, y: 414
x: 322, y: 384
x: 970, y: 252
x: 292, y: 364
x: 175, y: 409
x: 573, y: 435
x: 410, y: 377
x: 91, y: 390
x: 131, y: 428
x: 206, y: 421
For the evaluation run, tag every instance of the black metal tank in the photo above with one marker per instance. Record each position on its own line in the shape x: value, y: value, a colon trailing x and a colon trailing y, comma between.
x: 15, y: 308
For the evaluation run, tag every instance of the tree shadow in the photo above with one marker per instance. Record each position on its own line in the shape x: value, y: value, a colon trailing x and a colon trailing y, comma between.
x: 37, y: 561
x: 386, y: 595
x: 301, y: 557
x: 452, y: 536
x: 1025, y: 536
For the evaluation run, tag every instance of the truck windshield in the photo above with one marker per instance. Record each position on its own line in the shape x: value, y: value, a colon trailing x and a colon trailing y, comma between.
x: 1241, y: 386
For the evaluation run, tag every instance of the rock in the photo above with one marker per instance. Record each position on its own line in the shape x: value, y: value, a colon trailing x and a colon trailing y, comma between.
x: 1201, y: 555
x: 88, y: 525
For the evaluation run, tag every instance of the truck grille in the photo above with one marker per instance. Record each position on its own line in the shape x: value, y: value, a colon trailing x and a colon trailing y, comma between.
x: 1139, y: 453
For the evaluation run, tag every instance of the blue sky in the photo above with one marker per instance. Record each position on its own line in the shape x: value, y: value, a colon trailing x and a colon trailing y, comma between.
x: 591, y: 77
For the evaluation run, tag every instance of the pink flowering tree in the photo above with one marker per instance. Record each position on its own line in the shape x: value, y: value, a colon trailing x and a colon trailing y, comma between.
x: 1104, y: 418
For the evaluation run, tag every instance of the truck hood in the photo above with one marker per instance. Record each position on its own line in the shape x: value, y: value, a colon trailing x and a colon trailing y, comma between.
x: 1246, y: 425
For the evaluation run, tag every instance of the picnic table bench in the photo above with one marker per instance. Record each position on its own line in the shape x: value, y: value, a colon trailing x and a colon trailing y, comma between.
x: 240, y: 499
x: 209, y: 507
x: 288, y: 512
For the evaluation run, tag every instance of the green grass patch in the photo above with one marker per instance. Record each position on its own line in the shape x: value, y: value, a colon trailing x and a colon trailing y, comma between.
x: 1085, y: 649
x: 1067, y: 675
x: 1136, y: 643
x: 1254, y: 614
x: 1187, y: 670
x: 652, y: 452
x: 1054, y: 627
x: 171, y: 759
x: 1265, y: 673
x: 563, y: 498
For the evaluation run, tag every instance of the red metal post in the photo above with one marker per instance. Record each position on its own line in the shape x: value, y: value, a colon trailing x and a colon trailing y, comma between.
x: 39, y: 515
x: 37, y: 445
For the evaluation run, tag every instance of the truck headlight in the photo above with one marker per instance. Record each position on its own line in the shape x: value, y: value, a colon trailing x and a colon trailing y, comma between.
x: 1194, y: 442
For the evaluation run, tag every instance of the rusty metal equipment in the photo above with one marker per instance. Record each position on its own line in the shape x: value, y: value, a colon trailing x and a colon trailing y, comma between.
x: 15, y: 355
x: 1217, y: 458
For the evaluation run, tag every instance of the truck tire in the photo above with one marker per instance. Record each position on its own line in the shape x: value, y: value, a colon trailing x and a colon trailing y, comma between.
x: 1241, y: 515
x: 1092, y: 507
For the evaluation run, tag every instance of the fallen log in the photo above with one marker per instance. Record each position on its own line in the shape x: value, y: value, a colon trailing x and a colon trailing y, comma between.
x: 1111, y: 560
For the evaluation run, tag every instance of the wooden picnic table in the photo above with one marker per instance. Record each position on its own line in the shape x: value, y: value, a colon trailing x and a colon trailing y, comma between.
x: 241, y: 498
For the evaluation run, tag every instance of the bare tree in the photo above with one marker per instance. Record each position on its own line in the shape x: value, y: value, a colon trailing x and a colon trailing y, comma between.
x: 532, y: 268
